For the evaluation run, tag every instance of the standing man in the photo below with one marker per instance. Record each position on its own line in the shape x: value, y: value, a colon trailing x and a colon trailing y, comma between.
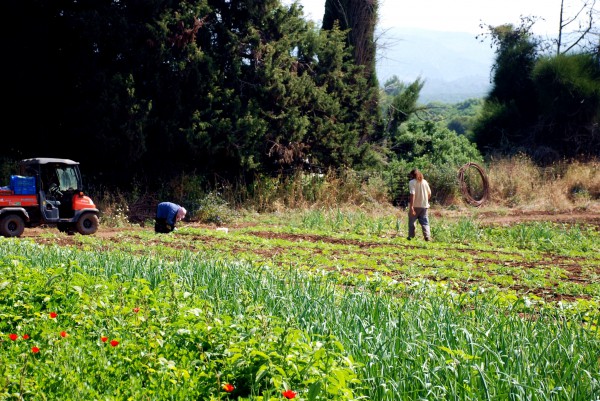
x: 420, y: 193
x: 167, y: 215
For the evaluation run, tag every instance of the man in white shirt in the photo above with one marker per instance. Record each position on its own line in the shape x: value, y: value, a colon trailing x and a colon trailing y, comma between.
x: 420, y: 193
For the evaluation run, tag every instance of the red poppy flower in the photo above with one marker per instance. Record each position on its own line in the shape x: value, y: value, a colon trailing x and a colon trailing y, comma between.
x: 25, y: 336
x: 104, y: 339
x: 228, y: 387
x: 13, y: 337
x: 289, y: 394
x: 63, y: 334
x: 35, y: 350
x: 114, y: 343
x: 136, y: 310
x: 53, y: 315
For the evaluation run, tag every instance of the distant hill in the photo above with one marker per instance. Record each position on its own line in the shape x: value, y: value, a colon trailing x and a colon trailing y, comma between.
x: 455, y: 65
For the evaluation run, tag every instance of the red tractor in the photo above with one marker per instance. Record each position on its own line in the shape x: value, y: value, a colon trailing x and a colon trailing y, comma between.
x: 48, y: 191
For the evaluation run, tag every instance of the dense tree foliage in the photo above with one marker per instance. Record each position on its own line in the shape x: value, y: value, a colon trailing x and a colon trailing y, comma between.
x: 568, y: 92
x: 458, y: 117
x: 546, y: 106
x: 436, y: 150
x: 157, y: 88
x: 403, y: 102
x: 510, y: 109
x: 220, y: 90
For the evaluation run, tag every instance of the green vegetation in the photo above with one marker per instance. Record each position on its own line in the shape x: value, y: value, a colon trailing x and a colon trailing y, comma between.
x: 331, y: 305
x: 234, y: 108
x: 225, y: 94
x: 221, y: 90
x: 541, y: 105
x: 127, y: 328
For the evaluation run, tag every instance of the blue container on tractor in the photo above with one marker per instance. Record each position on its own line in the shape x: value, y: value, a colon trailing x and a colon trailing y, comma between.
x: 22, y: 185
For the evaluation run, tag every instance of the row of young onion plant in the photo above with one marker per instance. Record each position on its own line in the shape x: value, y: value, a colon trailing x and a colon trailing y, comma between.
x: 72, y: 331
x: 404, y: 342
x: 560, y: 238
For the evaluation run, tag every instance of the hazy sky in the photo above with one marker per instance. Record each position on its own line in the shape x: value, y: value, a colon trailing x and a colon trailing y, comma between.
x: 458, y: 15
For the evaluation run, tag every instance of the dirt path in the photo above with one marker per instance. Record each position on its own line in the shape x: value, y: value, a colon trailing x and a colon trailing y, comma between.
x: 523, y: 216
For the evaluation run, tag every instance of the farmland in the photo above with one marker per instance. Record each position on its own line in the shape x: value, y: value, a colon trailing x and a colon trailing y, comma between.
x: 321, y: 304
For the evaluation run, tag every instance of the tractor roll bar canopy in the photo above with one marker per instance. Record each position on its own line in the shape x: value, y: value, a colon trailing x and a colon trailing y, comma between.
x: 47, y: 160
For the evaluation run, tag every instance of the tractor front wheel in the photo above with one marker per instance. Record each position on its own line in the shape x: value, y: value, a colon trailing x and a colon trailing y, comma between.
x: 87, y: 224
x: 11, y: 225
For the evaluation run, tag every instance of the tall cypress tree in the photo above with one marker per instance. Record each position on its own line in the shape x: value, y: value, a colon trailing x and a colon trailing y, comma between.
x: 359, y: 19
x: 283, y: 96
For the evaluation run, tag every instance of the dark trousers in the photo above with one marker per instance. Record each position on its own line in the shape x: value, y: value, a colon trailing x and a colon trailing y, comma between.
x: 161, y: 226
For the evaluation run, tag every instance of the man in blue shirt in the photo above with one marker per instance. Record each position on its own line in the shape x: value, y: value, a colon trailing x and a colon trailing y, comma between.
x: 167, y: 215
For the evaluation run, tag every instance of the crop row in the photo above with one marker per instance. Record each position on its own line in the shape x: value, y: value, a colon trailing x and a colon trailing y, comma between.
x: 274, y: 312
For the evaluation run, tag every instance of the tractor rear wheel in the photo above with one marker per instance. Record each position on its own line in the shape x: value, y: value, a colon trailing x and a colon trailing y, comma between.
x: 87, y: 224
x: 11, y: 225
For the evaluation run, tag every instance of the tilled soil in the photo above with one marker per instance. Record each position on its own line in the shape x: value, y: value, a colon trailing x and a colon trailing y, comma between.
x: 303, y: 241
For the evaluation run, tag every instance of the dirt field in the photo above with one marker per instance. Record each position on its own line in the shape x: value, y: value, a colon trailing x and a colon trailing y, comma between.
x: 523, y: 216
x: 485, y: 218
x: 574, y: 272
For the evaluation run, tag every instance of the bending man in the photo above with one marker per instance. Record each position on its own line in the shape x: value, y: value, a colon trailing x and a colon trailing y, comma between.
x: 167, y: 215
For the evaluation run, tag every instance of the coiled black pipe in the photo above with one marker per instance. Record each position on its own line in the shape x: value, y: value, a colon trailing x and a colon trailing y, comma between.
x: 464, y: 187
